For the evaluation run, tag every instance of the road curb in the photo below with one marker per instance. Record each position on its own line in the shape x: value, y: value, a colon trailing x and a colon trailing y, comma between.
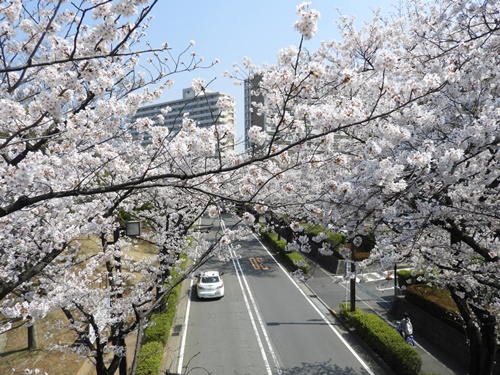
x: 171, y: 351
x: 379, y: 361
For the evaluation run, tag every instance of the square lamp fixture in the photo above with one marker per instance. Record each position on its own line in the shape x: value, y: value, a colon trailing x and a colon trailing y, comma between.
x: 133, y: 228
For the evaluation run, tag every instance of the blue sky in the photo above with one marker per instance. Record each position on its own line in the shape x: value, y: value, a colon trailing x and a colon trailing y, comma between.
x: 229, y: 30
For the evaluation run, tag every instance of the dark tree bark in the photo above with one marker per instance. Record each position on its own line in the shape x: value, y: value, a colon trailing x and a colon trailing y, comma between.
x: 480, y: 328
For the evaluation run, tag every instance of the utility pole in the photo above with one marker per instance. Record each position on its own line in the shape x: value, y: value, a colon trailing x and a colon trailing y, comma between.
x: 395, y: 279
x: 353, y: 278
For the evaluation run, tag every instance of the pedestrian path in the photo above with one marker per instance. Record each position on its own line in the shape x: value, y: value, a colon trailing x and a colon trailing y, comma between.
x: 366, y: 277
x: 375, y: 294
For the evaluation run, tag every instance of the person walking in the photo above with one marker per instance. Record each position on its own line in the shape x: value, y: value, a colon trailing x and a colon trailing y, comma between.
x: 406, y: 326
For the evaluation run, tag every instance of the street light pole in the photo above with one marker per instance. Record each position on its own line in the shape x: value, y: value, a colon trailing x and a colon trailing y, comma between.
x: 353, y: 279
x: 395, y: 279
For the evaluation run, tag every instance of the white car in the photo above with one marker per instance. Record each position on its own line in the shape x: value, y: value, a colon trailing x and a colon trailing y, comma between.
x: 210, y: 285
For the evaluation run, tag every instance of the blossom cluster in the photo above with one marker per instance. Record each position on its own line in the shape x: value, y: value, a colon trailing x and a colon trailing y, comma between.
x: 307, y: 25
x: 393, y: 132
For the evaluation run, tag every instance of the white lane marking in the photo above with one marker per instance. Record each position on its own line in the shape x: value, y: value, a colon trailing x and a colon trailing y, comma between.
x: 360, y: 360
x: 254, y: 325
x: 259, y: 317
x: 245, y: 288
x: 186, y: 320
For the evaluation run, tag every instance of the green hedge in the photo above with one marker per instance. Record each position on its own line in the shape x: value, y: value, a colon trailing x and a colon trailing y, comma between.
x: 150, y: 358
x: 157, y: 334
x: 336, y: 240
x: 406, y: 278
x: 332, y: 238
x: 292, y: 258
x: 384, y: 340
x: 157, y: 331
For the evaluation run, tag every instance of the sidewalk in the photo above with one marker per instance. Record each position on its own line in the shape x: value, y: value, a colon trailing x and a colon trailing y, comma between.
x: 379, y: 301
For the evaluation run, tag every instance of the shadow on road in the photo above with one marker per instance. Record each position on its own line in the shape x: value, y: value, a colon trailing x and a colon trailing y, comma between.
x: 322, y: 368
x: 319, y: 322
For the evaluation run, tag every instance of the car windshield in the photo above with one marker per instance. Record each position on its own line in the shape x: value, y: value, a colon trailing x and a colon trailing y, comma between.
x: 210, y: 279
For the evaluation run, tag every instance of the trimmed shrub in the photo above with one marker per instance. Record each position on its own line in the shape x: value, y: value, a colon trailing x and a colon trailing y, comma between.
x: 384, y: 340
x: 336, y: 240
x: 405, y: 278
x: 332, y: 238
x: 150, y: 358
x: 160, y: 329
x: 277, y: 244
x: 297, y: 261
x: 157, y: 334
x: 293, y: 258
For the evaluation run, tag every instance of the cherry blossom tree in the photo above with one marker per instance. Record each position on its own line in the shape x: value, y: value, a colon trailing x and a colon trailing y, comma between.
x: 70, y: 83
x: 72, y: 78
x: 394, y: 132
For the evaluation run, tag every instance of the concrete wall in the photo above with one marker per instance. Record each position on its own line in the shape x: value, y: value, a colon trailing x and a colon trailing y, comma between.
x: 452, y: 342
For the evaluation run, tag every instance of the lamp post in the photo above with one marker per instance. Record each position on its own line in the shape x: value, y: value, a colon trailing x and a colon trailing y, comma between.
x: 395, y: 279
x: 131, y: 229
x: 353, y: 279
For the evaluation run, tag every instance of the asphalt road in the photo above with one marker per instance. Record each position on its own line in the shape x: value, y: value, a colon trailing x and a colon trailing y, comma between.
x: 375, y: 294
x: 267, y: 323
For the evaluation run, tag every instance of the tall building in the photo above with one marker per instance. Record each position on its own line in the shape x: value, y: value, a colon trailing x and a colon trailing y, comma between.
x: 203, y: 108
x: 252, y: 95
x: 251, y: 116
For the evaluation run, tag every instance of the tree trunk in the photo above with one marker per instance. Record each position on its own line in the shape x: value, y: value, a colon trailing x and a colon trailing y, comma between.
x: 32, y: 338
x: 160, y: 295
x: 480, y: 328
x: 483, y: 346
x: 138, y: 346
x: 100, y: 366
x: 123, y: 362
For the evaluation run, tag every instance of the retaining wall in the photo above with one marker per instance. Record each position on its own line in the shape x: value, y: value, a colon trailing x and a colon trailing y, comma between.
x: 452, y: 342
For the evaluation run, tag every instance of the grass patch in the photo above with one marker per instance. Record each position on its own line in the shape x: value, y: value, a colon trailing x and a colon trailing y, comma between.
x: 15, y: 354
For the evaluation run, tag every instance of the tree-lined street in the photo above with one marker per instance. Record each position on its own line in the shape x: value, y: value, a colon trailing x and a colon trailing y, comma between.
x: 267, y: 323
x: 223, y: 338
x: 388, y: 135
